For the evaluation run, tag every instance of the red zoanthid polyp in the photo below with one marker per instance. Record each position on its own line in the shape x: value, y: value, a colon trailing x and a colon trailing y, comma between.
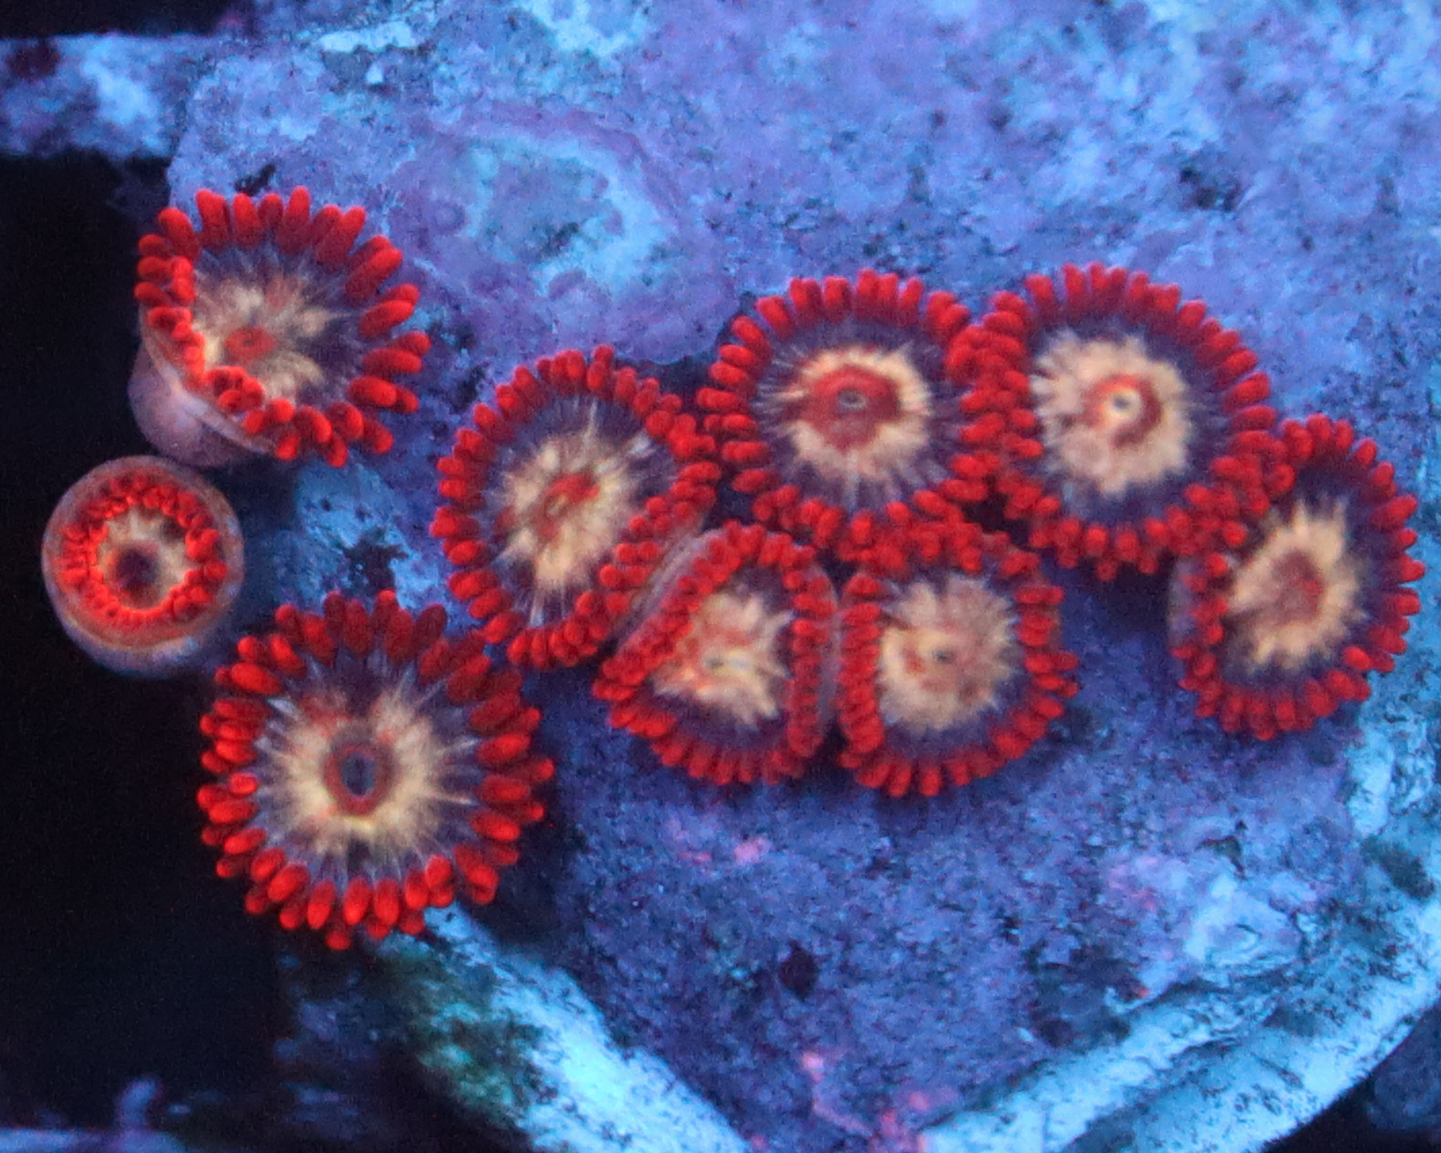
x: 1132, y: 418
x: 727, y: 672
x: 143, y: 560
x: 950, y: 660
x: 367, y: 768
x: 559, y: 501
x: 266, y: 330
x: 834, y: 407
x: 1281, y: 629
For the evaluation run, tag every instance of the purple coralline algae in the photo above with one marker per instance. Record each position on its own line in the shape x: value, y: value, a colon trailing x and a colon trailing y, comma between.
x: 1144, y: 930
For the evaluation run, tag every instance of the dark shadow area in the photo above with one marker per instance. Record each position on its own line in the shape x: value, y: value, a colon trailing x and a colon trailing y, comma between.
x: 143, y: 17
x: 122, y: 955
x: 1344, y: 1128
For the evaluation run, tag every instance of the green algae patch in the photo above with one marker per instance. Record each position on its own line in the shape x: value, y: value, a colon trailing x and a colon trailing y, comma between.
x: 516, y: 1046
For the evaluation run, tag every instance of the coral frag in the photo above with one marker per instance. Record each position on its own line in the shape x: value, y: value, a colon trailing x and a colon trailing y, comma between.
x: 267, y: 331
x: 366, y: 768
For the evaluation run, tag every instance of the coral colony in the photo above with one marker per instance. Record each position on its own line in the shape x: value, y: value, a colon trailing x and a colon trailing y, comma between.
x: 905, y: 470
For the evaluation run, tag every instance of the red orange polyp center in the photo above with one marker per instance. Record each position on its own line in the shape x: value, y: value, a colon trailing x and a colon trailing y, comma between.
x: 847, y: 405
x: 133, y: 574
x: 1114, y: 418
x: 1301, y: 588
x: 276, y: 328
x: 562, y: 498
x: 729, y: 662
x: 562, y: 509
x: 946, y: 653
x: 249, y: 344
x: 359, y: 774
x: 1295, y: 599
x: 1126, y: 406
x: 855, y: 415
x: 140, y: 559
